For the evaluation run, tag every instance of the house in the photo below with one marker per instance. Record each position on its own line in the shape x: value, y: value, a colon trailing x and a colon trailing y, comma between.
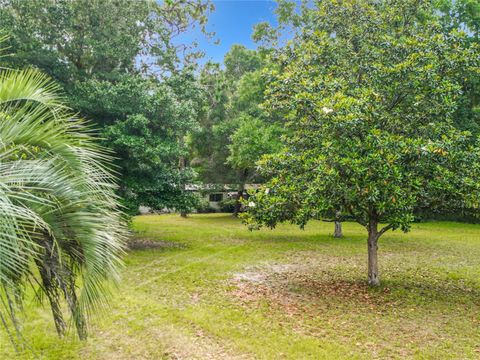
x: 215, y: 194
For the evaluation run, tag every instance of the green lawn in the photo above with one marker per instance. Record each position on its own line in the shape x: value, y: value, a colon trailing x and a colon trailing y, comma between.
x: 214, y: 290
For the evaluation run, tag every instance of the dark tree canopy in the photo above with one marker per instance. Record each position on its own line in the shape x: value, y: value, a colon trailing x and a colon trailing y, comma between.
x: 100, y: 38
x: 121, y: 66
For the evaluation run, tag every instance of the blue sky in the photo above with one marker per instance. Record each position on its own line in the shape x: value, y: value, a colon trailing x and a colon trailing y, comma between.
x: 232, y: 21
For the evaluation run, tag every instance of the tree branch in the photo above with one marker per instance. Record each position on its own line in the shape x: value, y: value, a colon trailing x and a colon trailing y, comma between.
x: 384, y: 229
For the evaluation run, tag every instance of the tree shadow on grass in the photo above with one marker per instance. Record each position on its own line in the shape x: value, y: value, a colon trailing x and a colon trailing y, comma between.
x: 432, y: 290
x: 307, y: 237
x: 300, y: 289
x: 214, y: 217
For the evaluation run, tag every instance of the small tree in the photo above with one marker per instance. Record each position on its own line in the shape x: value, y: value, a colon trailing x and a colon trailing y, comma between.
x: 370, y: 89
x: 61, y: 230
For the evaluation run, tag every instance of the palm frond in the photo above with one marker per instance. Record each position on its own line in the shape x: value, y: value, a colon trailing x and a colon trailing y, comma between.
x: 58, y: 208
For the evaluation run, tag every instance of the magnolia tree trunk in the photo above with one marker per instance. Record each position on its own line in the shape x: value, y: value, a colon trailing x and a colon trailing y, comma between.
x: 338, y: 226
x: 373, y: 235
x: 338, y: 230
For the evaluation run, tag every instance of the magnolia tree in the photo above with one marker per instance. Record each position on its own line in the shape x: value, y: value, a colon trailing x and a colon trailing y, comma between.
x: 370, y: 89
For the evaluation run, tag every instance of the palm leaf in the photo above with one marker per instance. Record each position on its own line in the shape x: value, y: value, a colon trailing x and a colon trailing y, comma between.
x: 58, y: 209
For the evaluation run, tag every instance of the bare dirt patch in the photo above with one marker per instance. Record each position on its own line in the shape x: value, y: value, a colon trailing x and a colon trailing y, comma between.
x: 299, y: 288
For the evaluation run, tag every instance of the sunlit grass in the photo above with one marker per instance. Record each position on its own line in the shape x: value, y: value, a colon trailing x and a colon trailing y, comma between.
x: 287, y: 293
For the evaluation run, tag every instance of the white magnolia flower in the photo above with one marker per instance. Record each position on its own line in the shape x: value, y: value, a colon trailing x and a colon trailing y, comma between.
x: 327, y: 110
x: 251, y: 204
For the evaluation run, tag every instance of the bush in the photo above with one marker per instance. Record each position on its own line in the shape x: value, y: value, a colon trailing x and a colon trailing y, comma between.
x: 227, y: 205
x: 203, y: 207
x: 426, y: 215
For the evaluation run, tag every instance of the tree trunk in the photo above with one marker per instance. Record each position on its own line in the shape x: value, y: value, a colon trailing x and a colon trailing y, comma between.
x: 338, y: 233
x: 241, y: 190
x: 182, y: 163
x: 77, y: 315
x: 60, y: 324
x: 51, y: 291
x: 54, y: 300
x: 373, y: 235
x: 66, y: 281
x: 338, y: 230
x: 238, y: 204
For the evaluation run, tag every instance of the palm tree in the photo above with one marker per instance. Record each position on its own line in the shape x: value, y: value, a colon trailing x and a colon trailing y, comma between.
x: 60, y: 228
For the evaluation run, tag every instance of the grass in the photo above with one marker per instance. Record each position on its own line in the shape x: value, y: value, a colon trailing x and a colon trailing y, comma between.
x: 213, y: 290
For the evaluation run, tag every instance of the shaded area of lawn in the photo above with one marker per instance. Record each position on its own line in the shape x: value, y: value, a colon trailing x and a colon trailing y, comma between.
x: 206, y: 288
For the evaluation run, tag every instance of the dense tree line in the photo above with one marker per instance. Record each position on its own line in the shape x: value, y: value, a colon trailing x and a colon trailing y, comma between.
x: 119, y: 66
x: 168, y: 121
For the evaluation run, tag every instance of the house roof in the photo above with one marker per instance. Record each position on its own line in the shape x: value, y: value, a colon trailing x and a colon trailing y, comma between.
x: 219, y: 187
